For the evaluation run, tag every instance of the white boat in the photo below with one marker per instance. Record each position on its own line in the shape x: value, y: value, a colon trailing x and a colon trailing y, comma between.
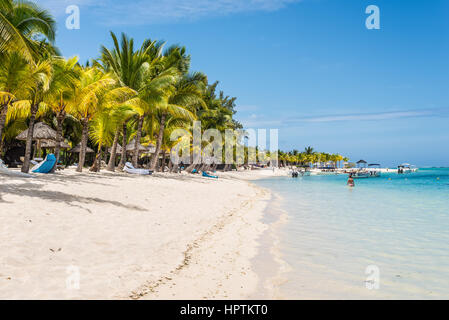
x: 361, y: 174
x: 372, y: 171
x: 407, y: 168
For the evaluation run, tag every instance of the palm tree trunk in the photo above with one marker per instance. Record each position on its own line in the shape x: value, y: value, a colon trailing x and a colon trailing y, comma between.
x: 190, y: 168
x: 96, y: 166
x: 174, y: 168
x: 85, y: 135
x: 160, y: 135
x: 137, y: 142
x: 111, y: 164
x: 163, y: 161
x: 124, y: 142
x: 60, y: 116
x: 3, y: 112
x: 29, y: 141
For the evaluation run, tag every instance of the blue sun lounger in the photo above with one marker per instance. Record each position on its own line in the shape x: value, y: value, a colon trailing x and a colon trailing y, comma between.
x: 45, y: 166
x: 205, y: 174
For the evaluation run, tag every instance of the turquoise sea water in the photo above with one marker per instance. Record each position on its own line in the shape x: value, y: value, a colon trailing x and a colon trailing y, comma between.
x: 397, y: 225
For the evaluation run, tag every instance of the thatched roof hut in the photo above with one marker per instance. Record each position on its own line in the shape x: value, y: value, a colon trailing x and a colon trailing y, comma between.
x: 77, y: 149
x: 41, y: 132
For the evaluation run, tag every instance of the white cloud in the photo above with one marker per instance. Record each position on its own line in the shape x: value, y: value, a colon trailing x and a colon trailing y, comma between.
x: 368, y: 116
x: 116, y: 12
x: 291, y: 121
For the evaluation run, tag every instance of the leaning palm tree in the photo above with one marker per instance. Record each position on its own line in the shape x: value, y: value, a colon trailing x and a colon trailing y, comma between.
x: 14, y: 82
x: 21, y: 23
x: 34, y: 85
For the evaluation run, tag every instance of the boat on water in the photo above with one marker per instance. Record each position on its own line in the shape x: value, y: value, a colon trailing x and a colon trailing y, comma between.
x: 366, y: 174
x: 407, y: 168
x: 372, y: 170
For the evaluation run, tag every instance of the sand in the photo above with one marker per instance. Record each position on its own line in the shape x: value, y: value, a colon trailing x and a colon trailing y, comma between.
x: 117, y: 236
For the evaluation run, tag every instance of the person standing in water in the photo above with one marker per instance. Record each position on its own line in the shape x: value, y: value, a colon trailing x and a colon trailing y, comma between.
x: 351, y: 181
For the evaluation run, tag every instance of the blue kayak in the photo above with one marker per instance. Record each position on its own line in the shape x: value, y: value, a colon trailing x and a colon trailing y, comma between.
x: 45, y: 166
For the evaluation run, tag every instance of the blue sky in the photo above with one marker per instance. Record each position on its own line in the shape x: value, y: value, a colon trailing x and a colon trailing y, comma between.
x: 309, y: 68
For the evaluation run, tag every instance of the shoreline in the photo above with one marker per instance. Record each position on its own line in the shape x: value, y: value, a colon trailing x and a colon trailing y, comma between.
x: 268, y: 263
x: 120, y: 233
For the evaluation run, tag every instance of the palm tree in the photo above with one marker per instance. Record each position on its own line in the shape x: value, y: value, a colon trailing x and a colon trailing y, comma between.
x: 21, y: 23
x: 308, y: 150
x: 184, y: 97
x: 85, y: 102
x: 141, y: 71
x: 345, y: 159
x: 35, y: 84
x: 218, y: 114
x: 14, y: 82
x: 64, y: 80
x: 120, y: 118
x: 110, y: 106
x: 168, y: 144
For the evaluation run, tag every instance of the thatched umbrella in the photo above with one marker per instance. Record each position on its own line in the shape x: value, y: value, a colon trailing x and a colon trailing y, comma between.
x: 119, y: 149
x: 151, y: 148
x: 77, y: 149
x: 52, y: 144
x: 130, y: 146
x: 41, y: 132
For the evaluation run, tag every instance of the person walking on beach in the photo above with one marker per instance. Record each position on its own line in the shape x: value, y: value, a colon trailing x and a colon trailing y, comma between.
x: 351, y: 181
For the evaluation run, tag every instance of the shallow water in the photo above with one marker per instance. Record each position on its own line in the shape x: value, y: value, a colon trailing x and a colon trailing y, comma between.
x: 342, y: 242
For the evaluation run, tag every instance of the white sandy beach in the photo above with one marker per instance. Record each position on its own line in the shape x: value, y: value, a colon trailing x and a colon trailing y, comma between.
x: 129, y: 237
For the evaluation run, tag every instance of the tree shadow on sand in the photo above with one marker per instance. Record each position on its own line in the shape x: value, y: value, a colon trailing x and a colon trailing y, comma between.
x: 32, y: 190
